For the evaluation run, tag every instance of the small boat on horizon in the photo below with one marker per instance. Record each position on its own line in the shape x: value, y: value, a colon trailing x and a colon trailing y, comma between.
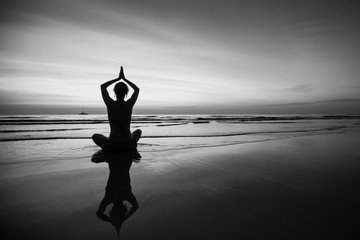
x: 82, y: 112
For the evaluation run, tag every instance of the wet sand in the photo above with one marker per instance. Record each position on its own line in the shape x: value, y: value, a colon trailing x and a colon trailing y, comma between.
x: 296, y: 188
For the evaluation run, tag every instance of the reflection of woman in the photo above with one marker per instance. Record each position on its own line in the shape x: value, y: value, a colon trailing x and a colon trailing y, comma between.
x: 119, y: 115
x: 117, y: 192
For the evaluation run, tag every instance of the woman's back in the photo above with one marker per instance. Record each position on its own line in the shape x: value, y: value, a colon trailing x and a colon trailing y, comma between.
x: 119, y: 115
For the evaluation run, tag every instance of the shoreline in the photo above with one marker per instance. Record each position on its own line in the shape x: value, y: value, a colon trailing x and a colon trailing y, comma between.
x: 294, y: 188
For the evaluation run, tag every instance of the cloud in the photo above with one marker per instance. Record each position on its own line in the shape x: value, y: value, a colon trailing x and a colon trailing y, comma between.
x: 301, y: 88
x: 10, y: 97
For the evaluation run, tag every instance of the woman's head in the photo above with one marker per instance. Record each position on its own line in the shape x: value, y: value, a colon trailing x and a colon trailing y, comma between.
x: 118, y: 211
x: 117, y: 215
x: 121, y: 90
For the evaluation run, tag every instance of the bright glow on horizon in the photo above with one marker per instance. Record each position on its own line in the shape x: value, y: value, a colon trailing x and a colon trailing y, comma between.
x: 227, y: 54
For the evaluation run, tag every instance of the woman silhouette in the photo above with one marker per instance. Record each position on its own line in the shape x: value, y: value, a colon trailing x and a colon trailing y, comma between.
x: 119, y: 115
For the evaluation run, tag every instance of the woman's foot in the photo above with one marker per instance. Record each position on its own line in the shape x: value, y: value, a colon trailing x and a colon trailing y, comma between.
x: 98, y: 157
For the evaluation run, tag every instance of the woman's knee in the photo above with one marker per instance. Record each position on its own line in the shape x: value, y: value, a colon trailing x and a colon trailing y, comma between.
x: 137, y: 134
x: 99, y: 139
x: 95, y: 137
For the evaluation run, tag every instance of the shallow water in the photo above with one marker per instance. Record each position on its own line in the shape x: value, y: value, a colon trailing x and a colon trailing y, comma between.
x: 29, y: 138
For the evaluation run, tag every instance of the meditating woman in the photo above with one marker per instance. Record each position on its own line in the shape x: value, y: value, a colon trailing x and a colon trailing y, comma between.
x: 119, y: 114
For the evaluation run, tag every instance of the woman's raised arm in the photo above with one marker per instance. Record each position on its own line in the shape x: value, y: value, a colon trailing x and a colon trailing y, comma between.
x: 104, y: 93
x: 135, y: 95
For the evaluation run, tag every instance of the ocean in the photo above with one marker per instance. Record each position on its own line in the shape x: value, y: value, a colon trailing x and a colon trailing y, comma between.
x: 36, y: 138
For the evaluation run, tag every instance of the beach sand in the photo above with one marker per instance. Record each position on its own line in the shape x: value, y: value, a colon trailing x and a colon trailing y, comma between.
x: 295, y: 188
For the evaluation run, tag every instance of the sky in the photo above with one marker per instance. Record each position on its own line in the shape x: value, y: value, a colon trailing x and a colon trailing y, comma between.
x: 186, y: 56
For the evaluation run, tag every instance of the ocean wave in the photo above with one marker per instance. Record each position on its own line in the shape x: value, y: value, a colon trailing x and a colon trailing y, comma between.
x: 170, y: 124
x: 157, y: 148
x: 185, y: 136
x: 67, y: 122
x: 163, y: 119
x: 43, y: 130
x: 50, y: 122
